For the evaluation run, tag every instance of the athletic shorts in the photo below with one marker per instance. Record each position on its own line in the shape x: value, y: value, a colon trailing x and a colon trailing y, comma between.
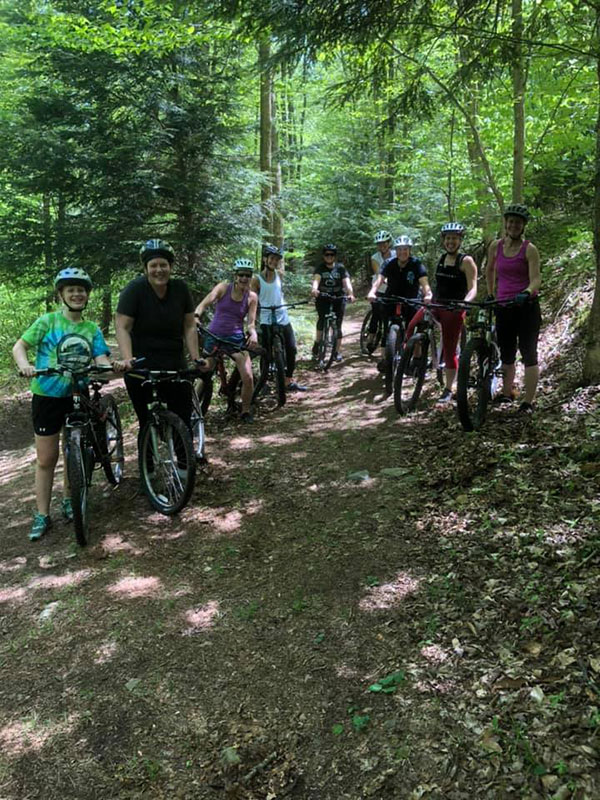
x: 48, y: 413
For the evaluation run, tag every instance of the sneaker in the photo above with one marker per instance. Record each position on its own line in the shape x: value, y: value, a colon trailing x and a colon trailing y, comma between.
x: 446, y: 396
x: 67, y: 509
x: 247, y: 418
x: 295, y: 387
x: 526, y: 408
x: 502, y: 399
x: 338, y: 357
x: 41, y: 524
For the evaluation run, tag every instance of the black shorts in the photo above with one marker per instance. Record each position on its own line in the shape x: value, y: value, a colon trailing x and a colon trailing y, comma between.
x: 48, y: 413
x: 519, y: 326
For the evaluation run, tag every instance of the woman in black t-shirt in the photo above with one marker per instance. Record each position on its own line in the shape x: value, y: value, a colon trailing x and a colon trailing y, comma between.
x: 331, y: 277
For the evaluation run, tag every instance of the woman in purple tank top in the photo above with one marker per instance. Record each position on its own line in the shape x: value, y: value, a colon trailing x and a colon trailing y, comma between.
x: 233, y: 302
x: 513, y: 273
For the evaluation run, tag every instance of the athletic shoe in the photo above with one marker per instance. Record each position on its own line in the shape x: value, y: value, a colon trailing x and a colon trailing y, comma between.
x: 525, y: 408
x: 295, y: 387
x: 67, y: 509
x: 502, y: 399
x: 445, y: 397
x: 247, y: 418
x: 41, y: 524
x: 338, y: 357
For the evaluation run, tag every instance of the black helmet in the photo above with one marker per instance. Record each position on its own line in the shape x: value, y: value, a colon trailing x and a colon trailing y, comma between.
x: 271, y: 250
x: 156, y: 248
x: 517, y: 210
x: 330, y: 248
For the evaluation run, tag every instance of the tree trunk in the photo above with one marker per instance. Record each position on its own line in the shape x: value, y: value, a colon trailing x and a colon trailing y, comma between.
x: 591, y: 364
x: 265, y: 136
x: 47, y: 227
x: 518, y: 85
x: 106, y: 312
x: 276, y: 216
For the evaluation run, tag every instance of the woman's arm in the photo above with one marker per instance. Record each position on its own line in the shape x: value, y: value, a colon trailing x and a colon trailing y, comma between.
x: 348, y: 287
x: 316, y: 280
x: 123, y: 328
x: 426, y: 289
x: 535, y: 276
x: 190, y: 335
x: 19, y: 352
x: 469, y: 267
x: 216, y: 293
x: 252, y: 305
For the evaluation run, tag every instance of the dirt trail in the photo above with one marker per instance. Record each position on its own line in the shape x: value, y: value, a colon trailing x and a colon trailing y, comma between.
x: 238, y: 650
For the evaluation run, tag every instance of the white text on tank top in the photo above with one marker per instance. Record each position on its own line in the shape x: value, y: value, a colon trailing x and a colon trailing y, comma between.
x: 271, y: 294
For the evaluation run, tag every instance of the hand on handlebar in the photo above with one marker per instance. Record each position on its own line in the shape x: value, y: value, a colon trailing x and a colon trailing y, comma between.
x: 123, y: 364
x: 28, y: 371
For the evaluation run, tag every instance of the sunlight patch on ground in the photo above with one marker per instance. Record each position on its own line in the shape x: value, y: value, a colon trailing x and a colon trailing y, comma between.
x: 202, y: 618
x: 242, y: 443
x: 389, y: 595
x: 105, y: 652
x: 12, y: 595
x: 344, y: 671
x: 60, y: 581
x: 274, y: 439
x: 18, y: 562
x: 11, y: 465
x: 31, y: 735
x: 133, y: 587
x: 168, y: 537
x: 435, y: 654
x: 435, y: 687
x: 228, y: 522
x: 113, y: 543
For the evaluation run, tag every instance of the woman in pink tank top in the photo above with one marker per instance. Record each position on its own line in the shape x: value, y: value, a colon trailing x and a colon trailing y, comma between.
x: 233, y: 302
x: 513, y: 273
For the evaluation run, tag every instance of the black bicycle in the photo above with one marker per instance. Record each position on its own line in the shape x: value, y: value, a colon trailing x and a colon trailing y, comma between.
x: 327, y: 346
x: 479, y: 368
x: 422, y: 349
x: 273, y: 361
x: 166, y: 449
x: 93, y: 438
x: 394, y: 339
x: 367, y: 348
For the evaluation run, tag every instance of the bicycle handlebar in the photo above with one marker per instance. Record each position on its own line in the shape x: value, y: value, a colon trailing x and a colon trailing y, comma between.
x: 62, y: 370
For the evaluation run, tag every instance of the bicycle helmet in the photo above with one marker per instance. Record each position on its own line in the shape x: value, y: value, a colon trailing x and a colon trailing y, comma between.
x: 271, y: 250
x: 330, y: 248
x: 243, y: 264
x: 156, y: 248
x: 517, y: 210
x: 403, y: 241
x: 73, y: 276
x: 382, y: 236
x: 453, y: 227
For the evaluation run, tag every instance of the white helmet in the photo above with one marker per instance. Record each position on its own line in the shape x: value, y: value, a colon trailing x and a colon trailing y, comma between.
x: 243, y: 264
x: 382, y: 236
x: 403, y: 241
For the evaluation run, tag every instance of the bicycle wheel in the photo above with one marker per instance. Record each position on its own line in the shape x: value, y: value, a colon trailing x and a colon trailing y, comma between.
x: 393, y: 353
x: 166, y: 462
x: 410, y: 374
x: 473, y: 384
x: 78, y: 480
x: 329, y: 343
x: 279, y: 369
x: 197, y: 425
x: 110, y: 440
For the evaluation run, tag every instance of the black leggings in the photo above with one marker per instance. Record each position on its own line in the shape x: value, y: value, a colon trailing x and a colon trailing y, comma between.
x: 519, y: 325
x: 289, y: 342
x: 323, y: 304
x: 176, y: 394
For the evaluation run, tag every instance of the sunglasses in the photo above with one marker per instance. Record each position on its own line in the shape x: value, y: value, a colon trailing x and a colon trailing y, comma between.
x: 329, y: 255
x: 244, y: 274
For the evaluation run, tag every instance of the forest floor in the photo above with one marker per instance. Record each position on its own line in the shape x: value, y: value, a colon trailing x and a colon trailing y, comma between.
x: 428, y: 632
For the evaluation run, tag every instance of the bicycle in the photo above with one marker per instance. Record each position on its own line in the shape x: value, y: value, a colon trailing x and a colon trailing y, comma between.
x: 414, y: 361
x: 394, y: 340
x: 479, y: 368
x: 368, y: 348
x: 166, y: 447
x: 327, y: 346
x: 93, y: 438
x: 273, y: 362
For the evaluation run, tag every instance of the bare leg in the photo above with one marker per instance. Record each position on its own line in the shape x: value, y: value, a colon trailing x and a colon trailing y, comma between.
x: 47, y: 448
x: 244, y: 365
x: 508, y: 379
x: 532, y: 375
x: 450, y: 376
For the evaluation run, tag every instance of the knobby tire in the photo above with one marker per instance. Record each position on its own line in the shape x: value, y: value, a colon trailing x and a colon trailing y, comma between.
x: 76, y: 471
x: 197, y: 423
x: 410, y: 375
x: 110, y: 435
x: 473, y: 384
x: 393, y: 348
x: 167, y: 473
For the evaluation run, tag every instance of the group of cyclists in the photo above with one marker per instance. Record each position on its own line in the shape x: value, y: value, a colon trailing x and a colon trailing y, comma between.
x: 156, y: 320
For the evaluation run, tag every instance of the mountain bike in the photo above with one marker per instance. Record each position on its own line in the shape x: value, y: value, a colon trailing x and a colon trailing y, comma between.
x: 272, y: 361
x: 422, y: 349
x: 479, y: 368
x: 327, y: 346
x: 368, y: 348
x: 394, y: 341
x: 166, y: 448
x: 93, y: 438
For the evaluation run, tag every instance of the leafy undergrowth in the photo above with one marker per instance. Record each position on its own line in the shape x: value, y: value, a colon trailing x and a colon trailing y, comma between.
x: 428, y: 631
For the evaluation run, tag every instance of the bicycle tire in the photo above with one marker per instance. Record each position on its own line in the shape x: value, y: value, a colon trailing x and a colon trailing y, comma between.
x: 329, y: 343
x: 473, y: 384
x: 110, y: 435
x: 76, y: 471
x: 393, y: 351
x: 410, y: 375
x: 279, y: 366
x: 197, y: 427
x: 163, y: 443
